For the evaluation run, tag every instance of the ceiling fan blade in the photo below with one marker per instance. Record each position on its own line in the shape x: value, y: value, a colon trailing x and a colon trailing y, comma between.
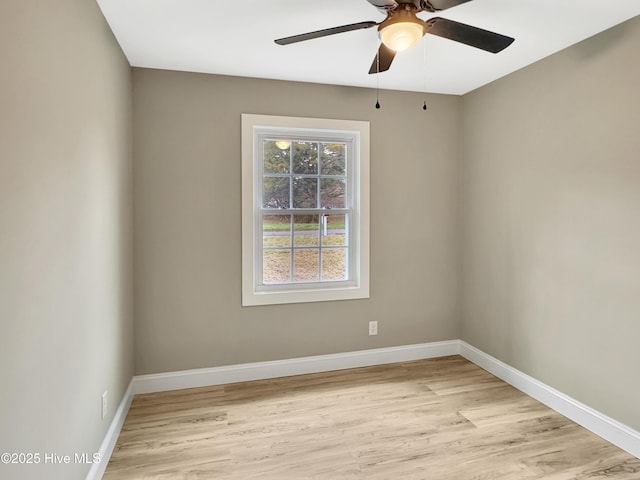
x: 384, y: 5
x: 472, y: 36
x: 384, y: 57
x: 436, y: 5
x: 326, y: 32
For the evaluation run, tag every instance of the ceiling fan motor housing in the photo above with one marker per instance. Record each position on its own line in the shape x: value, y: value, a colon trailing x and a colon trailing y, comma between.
x: 416, y: 4
x: 404, y: 12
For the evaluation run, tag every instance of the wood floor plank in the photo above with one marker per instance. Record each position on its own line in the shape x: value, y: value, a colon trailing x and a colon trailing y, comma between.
x: 437, y: 419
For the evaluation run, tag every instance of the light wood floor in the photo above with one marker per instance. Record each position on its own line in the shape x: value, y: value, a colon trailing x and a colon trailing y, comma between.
x: 439, y: 419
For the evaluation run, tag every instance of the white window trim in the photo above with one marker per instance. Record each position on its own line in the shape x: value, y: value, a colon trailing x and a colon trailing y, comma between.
x: 358, y: 288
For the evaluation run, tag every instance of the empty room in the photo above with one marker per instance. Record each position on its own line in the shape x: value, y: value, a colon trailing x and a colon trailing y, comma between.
x: 348, y: 239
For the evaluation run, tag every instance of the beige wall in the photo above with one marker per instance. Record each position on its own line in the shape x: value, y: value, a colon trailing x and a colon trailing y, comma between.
x: 187, y: 217
x: 551, y: 221
x: 65, y: 231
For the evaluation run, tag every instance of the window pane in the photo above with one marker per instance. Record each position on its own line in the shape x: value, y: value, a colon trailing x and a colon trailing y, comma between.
x: 332, y: 158
x: 276, y: 231
x: 332, y: 193
x: 305, y: 265
x: 305, y: 192
x: 306, y: 230
x: 276, y: 266
x: 275, y: 192
x: 334, y: 232
x: 305, y: 158
x: 276, y: 159
x: 334, y: 263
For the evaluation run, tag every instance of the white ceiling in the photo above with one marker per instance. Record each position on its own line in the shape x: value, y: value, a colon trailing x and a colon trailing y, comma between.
x: 236, y: 38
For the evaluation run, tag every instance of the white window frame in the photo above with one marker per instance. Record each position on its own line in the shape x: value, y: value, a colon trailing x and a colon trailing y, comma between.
x: 355, y: 287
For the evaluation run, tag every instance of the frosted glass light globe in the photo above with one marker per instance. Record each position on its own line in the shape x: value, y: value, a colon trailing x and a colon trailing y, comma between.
x: 402, y: 35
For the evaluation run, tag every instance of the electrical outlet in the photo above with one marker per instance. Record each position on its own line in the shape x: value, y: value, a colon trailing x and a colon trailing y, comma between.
x: 104, y: 405
x: 373, y: 327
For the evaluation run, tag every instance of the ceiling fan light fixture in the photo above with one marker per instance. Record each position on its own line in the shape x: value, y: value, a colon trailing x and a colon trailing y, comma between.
x: 401, y: 36
x: 402, y: 30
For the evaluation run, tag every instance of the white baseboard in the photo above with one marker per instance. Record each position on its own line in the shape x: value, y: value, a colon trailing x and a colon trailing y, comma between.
x: 294, y: 366
x: 109, y: 442
x: 600, y: 424
x: 606, y: 427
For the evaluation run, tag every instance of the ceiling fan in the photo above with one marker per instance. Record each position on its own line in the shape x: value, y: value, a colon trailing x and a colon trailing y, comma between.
x: 402, y: 29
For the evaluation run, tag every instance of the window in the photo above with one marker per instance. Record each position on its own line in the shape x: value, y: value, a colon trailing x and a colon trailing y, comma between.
x: 305, y: 210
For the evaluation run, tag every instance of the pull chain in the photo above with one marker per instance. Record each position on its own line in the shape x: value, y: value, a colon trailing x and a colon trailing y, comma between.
x: 378, y: 79
x: 424, y: 44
